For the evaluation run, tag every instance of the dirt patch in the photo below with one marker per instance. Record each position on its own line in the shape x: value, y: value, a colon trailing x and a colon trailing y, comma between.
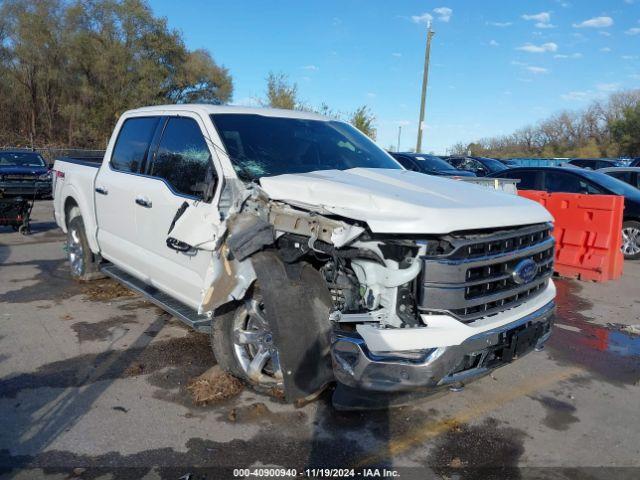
x: 258, y: 412
x: 560, y: 414
x: 480, y: 451
x: 106, y: 290
x: 102, y: 330
x: 214, y: 385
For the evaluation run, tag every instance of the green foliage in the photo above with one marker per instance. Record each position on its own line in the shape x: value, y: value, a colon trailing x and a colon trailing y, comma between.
x: 626, y: 131
x: 363, y: 119
x: 68, y: 69
x: 281, y: 93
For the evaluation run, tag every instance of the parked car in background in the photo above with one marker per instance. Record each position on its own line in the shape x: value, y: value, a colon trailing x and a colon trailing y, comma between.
x: 429, y: 164
x: 25, y: 173
x: 635, y: 162
x: 595, y: 163
x: 509, y: 163
x: 577, y: 180
x: 630, y: 175
x: 480, y: 166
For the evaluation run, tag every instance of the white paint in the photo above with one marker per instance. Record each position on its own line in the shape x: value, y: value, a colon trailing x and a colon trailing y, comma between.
x: 400, y: 201
x: 445, y: 330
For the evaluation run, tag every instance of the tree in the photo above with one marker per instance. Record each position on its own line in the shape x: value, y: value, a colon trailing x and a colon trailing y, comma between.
x: 626, y: 131
x: 604, y: 128
x: 69, y: 68
x: 281, y: 93
x: 363, y: 119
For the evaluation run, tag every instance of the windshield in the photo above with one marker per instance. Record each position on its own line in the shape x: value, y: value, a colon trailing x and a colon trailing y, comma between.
x: 493, y: 164
x: 613, y: 184
x: 261, y: 146
x: 432, y: 163
x: 21, y: 159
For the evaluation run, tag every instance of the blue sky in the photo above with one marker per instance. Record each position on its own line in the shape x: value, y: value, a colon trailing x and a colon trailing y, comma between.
x: 495, y: 65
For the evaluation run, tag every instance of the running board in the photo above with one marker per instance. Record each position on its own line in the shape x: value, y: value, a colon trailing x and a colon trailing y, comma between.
x: 188, y: 315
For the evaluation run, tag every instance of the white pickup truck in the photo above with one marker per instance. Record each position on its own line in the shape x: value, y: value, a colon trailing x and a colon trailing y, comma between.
x: 309, y: 254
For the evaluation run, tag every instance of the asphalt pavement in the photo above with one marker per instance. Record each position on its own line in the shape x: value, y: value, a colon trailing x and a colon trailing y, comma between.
x: 93, y: 385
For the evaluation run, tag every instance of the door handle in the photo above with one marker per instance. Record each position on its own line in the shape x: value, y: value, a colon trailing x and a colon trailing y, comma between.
x: 102, y: 190
x: 144, y: 202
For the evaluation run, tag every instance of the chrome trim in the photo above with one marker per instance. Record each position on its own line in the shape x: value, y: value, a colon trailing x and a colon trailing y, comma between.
x: 471, y: 287
x: 355, y: 366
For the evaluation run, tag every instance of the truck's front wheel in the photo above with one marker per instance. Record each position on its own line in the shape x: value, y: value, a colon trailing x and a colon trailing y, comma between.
x: 84, y: 264
x: 243, y: 344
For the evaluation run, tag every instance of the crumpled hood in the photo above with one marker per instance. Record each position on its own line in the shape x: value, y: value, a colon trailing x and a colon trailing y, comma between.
x: 401, y: 201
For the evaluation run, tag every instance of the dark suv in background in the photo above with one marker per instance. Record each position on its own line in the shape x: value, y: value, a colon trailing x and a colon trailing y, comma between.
x: 429, y: 164
x: 578, y: 180
x: 23, y: 172
x: 479, y: 166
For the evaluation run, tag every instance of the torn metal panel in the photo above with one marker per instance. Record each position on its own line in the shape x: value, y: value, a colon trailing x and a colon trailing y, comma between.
x: 316, y: 227
x: 198, y: 226
x: 228, y: 280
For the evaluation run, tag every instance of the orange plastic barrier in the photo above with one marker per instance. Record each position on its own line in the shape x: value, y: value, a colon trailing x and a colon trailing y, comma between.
x: 588, y: 233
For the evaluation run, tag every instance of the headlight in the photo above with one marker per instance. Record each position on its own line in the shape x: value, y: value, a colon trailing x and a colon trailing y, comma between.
x: 45, y: 176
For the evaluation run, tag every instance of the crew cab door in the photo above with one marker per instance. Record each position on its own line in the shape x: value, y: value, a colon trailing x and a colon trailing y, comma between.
x: 115, y: 187
x: 180, y: 167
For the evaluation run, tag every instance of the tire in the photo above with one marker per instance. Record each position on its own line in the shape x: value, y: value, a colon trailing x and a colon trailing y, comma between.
x: 631, y: 240
x: 242, y: 335
x: 287, y: 309
x: 83, y: 262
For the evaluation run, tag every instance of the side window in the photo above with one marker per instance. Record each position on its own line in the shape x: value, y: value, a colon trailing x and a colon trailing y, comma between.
x: 624, y: 176
x: 563, y: 182
x: 406, y: 163
x: 132, y: 145
x: 183, y: 159
x: 527, y: 179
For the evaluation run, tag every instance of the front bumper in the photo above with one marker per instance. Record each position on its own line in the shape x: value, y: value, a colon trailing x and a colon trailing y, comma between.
x: 358, y: 368
x: 26, y: 188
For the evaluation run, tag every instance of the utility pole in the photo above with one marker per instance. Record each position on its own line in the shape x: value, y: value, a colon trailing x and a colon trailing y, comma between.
x: 399, y: 133
x: 425, y: 79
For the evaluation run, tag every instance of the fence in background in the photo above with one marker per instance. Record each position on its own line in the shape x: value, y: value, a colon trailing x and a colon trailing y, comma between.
x: 540, y: 162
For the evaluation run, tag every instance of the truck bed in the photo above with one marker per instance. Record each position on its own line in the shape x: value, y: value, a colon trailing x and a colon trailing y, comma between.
x: 75, y: 177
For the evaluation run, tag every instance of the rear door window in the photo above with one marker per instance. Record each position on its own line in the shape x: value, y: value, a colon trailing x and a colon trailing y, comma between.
x: 624, y: 176
x: 527, y: 179
x: 132, y: 145
x: 568, y: 183
x: 183, y: 159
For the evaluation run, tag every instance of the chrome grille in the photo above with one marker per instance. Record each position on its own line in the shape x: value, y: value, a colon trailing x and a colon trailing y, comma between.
x: 475, y: 278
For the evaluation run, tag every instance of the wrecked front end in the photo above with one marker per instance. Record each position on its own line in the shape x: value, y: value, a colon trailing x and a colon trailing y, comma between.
x: 383, y: 314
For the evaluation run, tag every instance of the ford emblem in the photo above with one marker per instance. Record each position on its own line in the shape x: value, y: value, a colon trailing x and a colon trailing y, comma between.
x: 525, y: 271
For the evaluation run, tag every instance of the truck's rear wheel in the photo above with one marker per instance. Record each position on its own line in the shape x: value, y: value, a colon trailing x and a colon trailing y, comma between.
x: 242, y: 341
x: 84, y: 264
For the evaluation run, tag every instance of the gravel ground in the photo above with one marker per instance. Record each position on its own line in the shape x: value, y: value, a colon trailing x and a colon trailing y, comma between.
x: 93, y: 384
